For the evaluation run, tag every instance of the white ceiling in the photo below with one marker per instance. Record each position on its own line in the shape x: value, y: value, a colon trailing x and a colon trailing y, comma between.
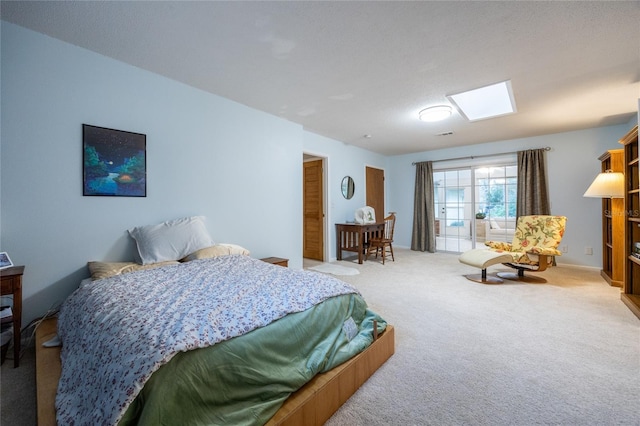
x: 349, y: 69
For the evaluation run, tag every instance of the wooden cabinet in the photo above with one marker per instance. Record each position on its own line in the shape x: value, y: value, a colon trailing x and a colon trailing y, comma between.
x: 11, y: 283
x: 631, y: 289
x: 613, y: 224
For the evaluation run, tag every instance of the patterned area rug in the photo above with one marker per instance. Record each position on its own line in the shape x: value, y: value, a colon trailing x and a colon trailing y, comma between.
x: 329, y: 268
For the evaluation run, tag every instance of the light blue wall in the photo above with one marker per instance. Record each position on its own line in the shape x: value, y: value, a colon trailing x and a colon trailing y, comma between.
x: 206, y: 155
x: 572, y: 164
x: 343, y: 160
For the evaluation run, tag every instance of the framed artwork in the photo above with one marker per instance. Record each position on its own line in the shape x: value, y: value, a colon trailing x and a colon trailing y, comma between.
x: 115, y: 162
x: 5, y: 261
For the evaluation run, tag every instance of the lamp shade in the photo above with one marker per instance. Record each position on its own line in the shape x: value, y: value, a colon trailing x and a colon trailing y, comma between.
x: 607, y: 185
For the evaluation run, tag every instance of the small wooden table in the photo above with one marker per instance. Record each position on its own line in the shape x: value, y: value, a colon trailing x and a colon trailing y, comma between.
x: 11, y: 283
x: 276, y: 261
x: 355, y: 237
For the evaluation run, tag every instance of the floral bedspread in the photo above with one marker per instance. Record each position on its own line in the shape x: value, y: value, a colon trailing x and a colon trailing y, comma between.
x: 117, y: 331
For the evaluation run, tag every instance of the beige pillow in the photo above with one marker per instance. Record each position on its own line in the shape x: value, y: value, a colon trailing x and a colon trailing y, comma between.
x: 236, y: 249
x: 216, y: 251
x: 101, y: 270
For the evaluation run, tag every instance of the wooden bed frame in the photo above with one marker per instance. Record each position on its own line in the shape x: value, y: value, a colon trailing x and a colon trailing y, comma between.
x: 312, y: 404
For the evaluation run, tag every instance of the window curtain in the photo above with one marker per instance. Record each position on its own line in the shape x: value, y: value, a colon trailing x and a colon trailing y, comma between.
x: 423, y: 237
x: 533, y: 197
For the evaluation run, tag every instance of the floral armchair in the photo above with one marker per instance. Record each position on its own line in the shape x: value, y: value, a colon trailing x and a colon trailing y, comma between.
x: 535, y: 243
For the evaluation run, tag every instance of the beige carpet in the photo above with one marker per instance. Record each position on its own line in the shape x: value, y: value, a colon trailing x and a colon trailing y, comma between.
x: 335, y: 269
x: 18, y: 391
x: 562, y: 353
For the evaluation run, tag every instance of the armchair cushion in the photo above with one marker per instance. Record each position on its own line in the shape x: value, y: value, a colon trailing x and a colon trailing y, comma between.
x: 538, y: 231
x: 524, y: 258
x: 498, y: 245
x: 545, y: 250
x: 534, y: 236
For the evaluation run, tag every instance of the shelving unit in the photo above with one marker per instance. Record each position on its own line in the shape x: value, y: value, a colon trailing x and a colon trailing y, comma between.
x: 613, y: 224
x: 631, y: 289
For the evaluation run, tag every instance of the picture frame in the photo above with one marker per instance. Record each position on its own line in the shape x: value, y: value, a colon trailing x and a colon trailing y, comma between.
x: 5, y: 260
x: 114, y: 162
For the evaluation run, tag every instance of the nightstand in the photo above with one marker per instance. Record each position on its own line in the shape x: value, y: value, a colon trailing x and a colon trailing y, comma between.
x: 276, y: 261
x: 11, y: 279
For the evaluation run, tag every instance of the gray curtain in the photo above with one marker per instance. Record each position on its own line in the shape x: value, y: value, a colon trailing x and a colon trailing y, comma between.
x: 423, y: 237
x: 533, y: 197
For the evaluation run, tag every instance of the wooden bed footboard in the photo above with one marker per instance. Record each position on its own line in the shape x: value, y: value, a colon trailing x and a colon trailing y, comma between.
x: 48, y: 370
x: 315, y: 402
x: 312, y: 404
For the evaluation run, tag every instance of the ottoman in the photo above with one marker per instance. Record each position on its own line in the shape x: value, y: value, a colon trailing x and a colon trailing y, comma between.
x: 482, y: 259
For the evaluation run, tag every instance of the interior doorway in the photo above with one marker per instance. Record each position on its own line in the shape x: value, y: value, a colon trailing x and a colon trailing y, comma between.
x: 313, y: 200
x: 375, y: 191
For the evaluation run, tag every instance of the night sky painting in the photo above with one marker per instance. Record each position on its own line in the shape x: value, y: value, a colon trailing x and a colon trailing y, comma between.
x: 115, y: 162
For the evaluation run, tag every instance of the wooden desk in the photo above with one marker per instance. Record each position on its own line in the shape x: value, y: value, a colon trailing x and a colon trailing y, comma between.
x: 355, y: 237
x: 11, y: 279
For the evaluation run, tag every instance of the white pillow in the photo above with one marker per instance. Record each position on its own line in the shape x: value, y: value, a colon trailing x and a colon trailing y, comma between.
x: 171, y: 240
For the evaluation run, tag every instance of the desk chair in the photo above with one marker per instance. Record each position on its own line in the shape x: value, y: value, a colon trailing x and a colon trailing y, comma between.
x: 384, y: 244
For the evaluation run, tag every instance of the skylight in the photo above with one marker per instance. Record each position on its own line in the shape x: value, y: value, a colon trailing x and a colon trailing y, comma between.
x: 486, y: 102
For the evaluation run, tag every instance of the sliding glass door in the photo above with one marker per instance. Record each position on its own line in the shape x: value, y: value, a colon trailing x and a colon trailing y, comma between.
x: 453, y: 206
x: 474, y: 204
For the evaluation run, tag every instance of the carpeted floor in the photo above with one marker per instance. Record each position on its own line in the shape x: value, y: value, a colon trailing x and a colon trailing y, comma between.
x: 334, y: 269
x: 562, y: 353
x: 18, y: 390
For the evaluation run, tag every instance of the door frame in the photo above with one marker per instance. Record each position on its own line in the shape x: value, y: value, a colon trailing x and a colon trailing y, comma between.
x: 325, y: 200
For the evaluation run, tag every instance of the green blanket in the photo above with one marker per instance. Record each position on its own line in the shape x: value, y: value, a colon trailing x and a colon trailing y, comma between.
x: 243, y: 381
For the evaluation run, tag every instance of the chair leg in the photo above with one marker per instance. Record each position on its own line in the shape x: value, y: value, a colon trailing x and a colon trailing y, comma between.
x: 483, y: 278
x: 520, y: 276
x: 391, y: 248
x: 543, y: 262
x: 367, y: 252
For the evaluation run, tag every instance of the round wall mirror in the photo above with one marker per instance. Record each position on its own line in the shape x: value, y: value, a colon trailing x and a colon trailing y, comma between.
x: 348, y: 187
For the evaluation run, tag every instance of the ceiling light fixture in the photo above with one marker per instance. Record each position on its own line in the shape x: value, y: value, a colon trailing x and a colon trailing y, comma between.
x: 485, y: 102
x: 435, y: 113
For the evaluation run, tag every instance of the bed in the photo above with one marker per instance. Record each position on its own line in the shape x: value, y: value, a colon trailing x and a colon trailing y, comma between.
x: 210, y: 339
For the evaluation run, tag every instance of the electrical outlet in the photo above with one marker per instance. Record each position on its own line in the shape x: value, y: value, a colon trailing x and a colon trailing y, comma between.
x: 588, y: 250
x: 564, y: 249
